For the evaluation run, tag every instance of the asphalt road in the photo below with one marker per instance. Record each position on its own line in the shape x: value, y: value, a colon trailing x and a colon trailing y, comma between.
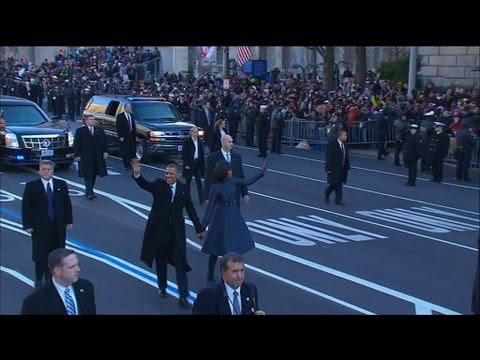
x: 391, y: 250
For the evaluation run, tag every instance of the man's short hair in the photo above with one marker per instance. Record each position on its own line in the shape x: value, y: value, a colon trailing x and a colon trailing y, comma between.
x: 174, y: 166
x: 55, y: 258
x: 231, y: 256
x: 46, y: 162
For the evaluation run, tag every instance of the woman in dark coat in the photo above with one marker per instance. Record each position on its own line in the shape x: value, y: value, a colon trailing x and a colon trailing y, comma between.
x: 219, y: 130
x: 227, y: 230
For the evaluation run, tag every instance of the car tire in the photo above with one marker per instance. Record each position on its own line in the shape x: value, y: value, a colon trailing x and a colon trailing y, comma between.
x: 141, y: 151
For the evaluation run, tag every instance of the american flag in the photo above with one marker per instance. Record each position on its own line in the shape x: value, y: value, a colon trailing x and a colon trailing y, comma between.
x: 243, y: 54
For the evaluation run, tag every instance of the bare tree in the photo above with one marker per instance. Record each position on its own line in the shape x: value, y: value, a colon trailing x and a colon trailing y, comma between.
x: 286, y: 58
x: 361, y: 64
x: 327, y: 53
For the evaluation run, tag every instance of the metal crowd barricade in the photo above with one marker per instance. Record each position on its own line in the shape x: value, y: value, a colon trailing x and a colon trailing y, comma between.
x: 316, y: 132
x: 474, y: 162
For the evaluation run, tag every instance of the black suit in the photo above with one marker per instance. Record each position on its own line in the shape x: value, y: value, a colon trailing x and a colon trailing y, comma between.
x: 237, y: 170
x: 90, y: 148
x: 196, y: 167
x: 336, y: 166
x: 206, y: 123
x: 214, y: 300
x: 127, y: 146
x: 47, y: 234
x: 164, y: 239
x: 47, y: 301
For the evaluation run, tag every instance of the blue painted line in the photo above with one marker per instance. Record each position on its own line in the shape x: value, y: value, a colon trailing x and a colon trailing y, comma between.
x: 102, y: 255
x: 11, y: 213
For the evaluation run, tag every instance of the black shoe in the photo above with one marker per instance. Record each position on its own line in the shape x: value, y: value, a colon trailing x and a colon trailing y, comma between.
x: 183, y: 303
x: 162, y: 293
x: 340, y: 203
x: 91, y: 197
x: 327, y: 199
x: 409, y: 184
x: 38, y: 284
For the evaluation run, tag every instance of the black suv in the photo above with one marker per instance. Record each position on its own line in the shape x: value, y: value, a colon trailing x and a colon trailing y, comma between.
x: 28, y: 135
x: 160, y: 127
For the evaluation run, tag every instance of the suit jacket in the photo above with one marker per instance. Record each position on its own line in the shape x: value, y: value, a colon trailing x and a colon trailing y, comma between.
x: 334, y: 163
x: 237, y: 169
x: 214, y: 301
x: 35, y: 215
x: 165, y: 216
x: 127, y: 146
x: 91, y: 149
x: 188, y: 152
x: 123, y: 128
x: 47, y: 301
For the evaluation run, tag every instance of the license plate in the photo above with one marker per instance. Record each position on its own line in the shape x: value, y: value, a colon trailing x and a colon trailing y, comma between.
x: 47, y: 152
x: 180, y: 147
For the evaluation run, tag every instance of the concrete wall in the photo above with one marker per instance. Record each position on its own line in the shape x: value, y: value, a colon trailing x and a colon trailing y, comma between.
x: 451, y: 65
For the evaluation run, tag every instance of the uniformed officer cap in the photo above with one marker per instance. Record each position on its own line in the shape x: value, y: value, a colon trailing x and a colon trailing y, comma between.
x: 413, y: 126
x: 436, y: 123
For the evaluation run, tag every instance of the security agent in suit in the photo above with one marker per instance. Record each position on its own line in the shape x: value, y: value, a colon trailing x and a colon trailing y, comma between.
x: 220, y: 299
x: 90, y: 148
x: 164, y: 240
x: 193, y: 157
x: 127, y: 135
x: 237, y: 168
x: 46, y: 220
x: 337, y: 164
x: 50, y: 299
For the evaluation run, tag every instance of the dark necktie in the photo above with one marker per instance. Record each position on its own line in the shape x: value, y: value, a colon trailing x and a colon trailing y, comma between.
x: 51, y: 210
x: 236, y: 304
x: 343, y: 152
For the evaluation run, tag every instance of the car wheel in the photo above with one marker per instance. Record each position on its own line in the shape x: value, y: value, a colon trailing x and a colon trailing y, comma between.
x: 141, y: 151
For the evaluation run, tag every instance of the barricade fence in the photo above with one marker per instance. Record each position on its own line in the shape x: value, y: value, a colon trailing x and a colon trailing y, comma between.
x: 316, y: 133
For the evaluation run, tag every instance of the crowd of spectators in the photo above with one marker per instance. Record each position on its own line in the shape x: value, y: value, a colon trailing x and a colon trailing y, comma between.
x: 68, y: 81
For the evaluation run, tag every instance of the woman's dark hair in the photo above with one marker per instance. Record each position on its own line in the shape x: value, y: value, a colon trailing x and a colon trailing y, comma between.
x: 220, y: 172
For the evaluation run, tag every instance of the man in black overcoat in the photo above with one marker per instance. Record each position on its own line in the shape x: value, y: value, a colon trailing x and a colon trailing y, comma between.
x: 164, y: 240
x: 46, y: 215
x: 127, y: 135
x: 337, y: 164
x: 90, y: 148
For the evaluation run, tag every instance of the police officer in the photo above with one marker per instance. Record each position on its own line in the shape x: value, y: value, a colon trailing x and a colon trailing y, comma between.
x: 463, y: 153
x: 411, y: 153
x: 437, y: 151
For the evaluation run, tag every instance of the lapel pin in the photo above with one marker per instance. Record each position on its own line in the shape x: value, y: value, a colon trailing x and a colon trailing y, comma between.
x: 81, y: 290
x: 248, y: 299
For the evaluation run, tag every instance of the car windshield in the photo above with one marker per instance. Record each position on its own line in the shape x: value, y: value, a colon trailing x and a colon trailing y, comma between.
x: 155, y: 112
x: 22, y: 115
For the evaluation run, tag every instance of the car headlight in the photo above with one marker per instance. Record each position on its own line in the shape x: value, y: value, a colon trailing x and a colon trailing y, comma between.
x: 11, y: 141
x: 200, y: 132
x: 157, y: 133
x: 70, y: 138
